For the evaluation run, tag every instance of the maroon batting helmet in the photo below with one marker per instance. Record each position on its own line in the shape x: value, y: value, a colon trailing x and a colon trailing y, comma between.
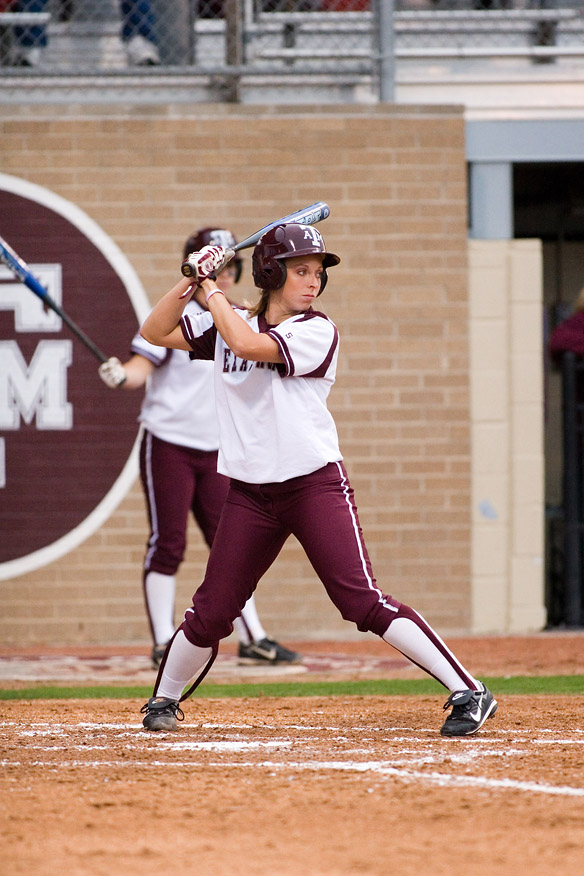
x: 214, y: 237
x: 286, y: 242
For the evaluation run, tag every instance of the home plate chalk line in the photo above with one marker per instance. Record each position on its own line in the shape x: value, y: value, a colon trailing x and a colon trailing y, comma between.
x: 47, y: 743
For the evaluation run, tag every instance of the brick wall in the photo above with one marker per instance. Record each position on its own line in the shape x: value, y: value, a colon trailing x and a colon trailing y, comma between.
x: 395, y: 180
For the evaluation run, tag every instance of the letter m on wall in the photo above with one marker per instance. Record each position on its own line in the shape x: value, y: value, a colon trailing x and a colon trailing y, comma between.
x: 37, y: 390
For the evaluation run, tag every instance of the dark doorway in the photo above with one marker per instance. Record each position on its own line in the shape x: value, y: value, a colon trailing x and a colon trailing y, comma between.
x: 548, y: 201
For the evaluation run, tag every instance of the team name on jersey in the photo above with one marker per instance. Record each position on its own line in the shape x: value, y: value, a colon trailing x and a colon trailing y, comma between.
x: 231, y: 363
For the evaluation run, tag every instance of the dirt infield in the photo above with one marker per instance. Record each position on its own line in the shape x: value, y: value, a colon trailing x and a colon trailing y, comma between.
x: 315, y: 786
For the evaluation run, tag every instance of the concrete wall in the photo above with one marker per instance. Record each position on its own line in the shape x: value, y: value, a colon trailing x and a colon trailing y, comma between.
x: 506, y: 309
x: 395, y: 178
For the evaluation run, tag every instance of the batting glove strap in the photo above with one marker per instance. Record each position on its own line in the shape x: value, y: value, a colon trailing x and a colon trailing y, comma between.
x: 112, y: 372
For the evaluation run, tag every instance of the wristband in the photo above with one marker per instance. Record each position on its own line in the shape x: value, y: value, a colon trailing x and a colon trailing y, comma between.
x: 212, y: 292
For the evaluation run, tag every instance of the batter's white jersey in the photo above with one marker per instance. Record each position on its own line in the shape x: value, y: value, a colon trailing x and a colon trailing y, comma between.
x: 272, y: 428
x: 179, y: 404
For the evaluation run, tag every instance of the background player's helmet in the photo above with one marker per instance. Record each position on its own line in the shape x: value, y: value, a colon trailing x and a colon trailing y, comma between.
x: 214, y: 237
x: 285, y: 242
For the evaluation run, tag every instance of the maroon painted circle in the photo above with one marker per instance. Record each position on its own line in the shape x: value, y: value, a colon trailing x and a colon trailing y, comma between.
x: 55, y: 477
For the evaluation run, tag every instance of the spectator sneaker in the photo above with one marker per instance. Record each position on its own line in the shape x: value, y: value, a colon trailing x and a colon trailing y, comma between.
x: 161, y: 714
x: 470, y: 710
x: 142, y: 52
x: 30, y: 57
x: 267, y: 651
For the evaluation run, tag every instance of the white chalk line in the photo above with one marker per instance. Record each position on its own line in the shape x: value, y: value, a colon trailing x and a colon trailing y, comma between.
x: 463, y: 753
x: 52, y: 729
x: 373, y: 767
x: 469, y: 755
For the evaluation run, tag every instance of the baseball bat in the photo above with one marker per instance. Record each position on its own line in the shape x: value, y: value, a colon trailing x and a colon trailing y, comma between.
x: 307, y: 216
x: 22, y: 272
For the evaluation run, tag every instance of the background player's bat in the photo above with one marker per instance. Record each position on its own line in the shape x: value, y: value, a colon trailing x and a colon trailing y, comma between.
x: 307, y: 216
x: 22, y: 272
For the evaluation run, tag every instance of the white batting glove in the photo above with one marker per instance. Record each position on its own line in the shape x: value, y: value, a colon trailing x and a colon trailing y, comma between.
x: 112, y: 372
x: 229, y: 256
x: 206, y: 261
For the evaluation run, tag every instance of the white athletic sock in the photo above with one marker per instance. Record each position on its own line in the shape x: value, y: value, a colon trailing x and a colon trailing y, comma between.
x: 411, y: 640
x: 160, y: 593
x: 184, y: 662
x: 249, y: 624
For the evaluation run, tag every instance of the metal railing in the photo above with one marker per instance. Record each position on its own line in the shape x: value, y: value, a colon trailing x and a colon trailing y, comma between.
x: 278, y: 38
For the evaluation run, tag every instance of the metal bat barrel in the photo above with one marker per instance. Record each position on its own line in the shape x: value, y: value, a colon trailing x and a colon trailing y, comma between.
x: 307, y: 216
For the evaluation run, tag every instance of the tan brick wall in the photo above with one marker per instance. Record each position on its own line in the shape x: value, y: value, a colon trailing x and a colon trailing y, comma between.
x: 395, y: 180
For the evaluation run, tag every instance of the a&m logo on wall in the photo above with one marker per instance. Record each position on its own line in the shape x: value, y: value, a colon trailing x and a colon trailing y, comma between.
x: 67, y: 442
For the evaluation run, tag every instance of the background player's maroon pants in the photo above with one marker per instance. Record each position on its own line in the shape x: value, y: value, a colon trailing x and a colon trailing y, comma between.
x: 178, y: 481
x: 319, y: 510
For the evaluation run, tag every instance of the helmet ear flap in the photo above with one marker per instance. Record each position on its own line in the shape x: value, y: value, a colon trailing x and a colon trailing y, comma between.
x: 268, y: 274
x: 272, y: 275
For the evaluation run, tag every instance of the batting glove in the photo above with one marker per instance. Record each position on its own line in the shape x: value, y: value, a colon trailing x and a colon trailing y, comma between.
x: 112, y: 372
x: 203, y: 263
x: 228, y: 257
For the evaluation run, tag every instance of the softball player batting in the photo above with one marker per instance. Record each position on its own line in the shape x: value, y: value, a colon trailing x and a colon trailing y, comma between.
x: 178, y: 467
x: 275, y: 364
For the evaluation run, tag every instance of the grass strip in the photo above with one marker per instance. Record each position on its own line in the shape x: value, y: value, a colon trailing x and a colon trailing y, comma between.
x: 518, y: 684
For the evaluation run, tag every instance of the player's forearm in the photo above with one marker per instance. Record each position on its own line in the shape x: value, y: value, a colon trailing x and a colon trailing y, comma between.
x: 161, y: 326
x: 232, y: 329
x: 137, y: 370
x: 237, y: 334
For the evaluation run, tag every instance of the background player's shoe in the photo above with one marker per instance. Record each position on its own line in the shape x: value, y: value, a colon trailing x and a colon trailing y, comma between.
x: 267, y: 651
x: 161, y: 714
x: 470, y: 710
x: 158, y: 654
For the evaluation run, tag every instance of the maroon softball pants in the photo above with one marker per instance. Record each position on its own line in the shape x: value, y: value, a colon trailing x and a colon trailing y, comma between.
x: 178, y: 481
x: 256, y: 520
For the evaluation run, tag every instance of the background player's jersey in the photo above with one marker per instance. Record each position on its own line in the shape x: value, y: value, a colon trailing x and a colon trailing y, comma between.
x: 179, y: 403
x: 272, y: 427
